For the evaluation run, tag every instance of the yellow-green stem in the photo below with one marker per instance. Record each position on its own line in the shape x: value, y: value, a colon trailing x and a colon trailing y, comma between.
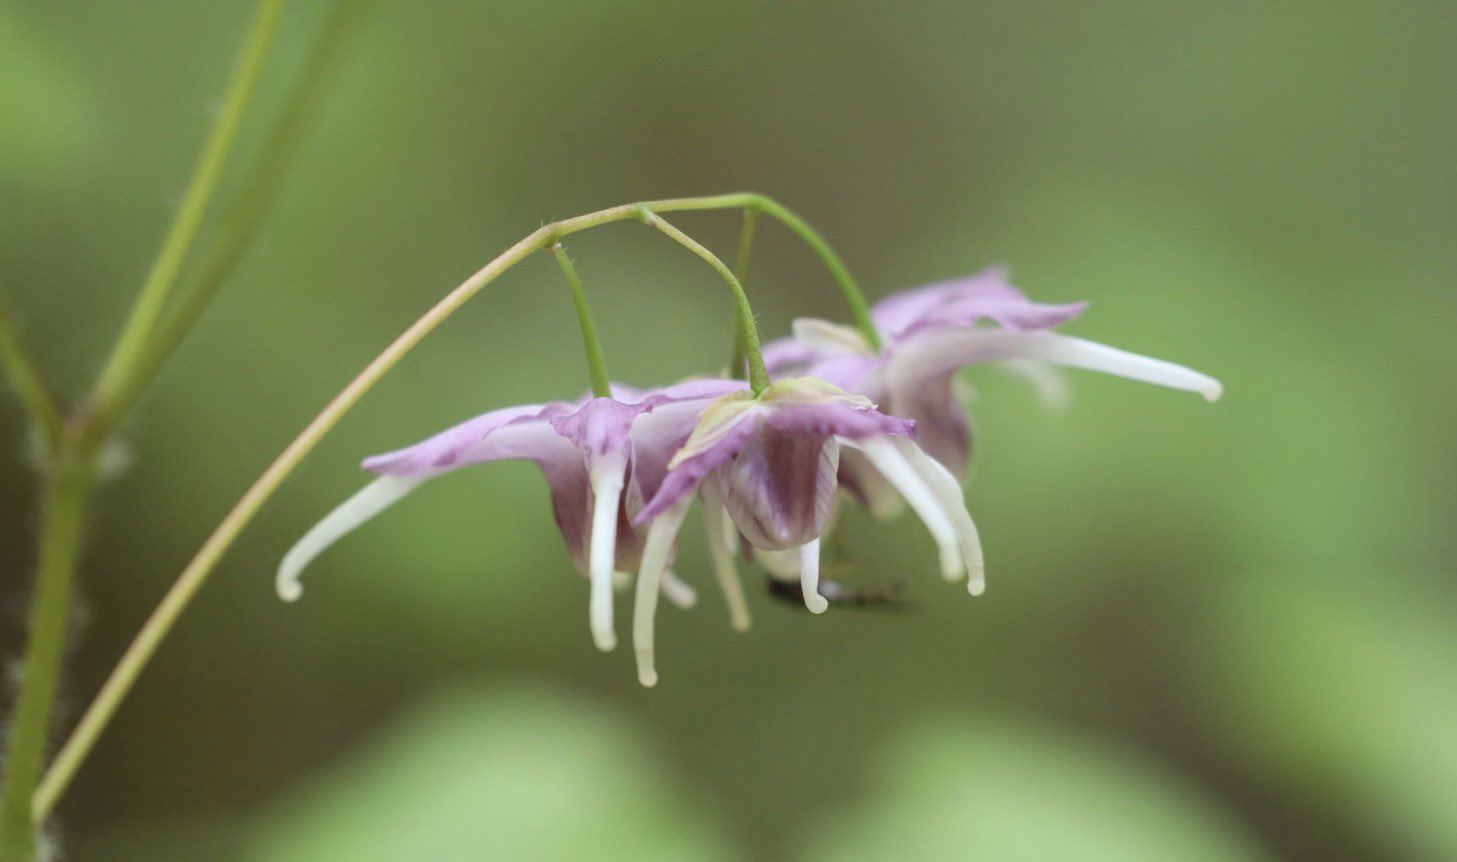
x: 68, y: 484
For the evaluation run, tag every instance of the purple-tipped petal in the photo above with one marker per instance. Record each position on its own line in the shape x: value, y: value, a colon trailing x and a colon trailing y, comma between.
x: 964, y: 302
x: 836, y: 418
x: 600, y: 428
x: 900, y: 312
x: 442, y: 452
x: 684, y: 478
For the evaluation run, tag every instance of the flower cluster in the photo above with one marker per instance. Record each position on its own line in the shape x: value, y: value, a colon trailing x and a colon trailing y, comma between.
x: 886, y: 424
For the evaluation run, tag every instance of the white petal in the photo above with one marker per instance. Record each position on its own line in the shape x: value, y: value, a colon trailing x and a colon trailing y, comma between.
x: 946, y: 350
x: 886, y: 458
x: 830, y: 338
x: 661, y: 533
x: 608, y: 475
x: 783, y: 565
x: 677, y: 591
x: 1046, y: 380
x: 717, y: 524
x: 365, y: 504
x: 809, y: 577
x: 953, y: 502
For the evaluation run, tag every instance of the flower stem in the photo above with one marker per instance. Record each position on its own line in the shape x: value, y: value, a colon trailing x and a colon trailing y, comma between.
x: 68, y: 486
x: 851, y: 291
x: 98, y: 714
x: 741, y: 272
x: 596, y: 365
x: 118, y: 379
x: 30, y: 386
x: 758, y: 376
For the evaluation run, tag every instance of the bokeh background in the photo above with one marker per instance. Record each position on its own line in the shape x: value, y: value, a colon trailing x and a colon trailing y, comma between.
x: 1212, y: 632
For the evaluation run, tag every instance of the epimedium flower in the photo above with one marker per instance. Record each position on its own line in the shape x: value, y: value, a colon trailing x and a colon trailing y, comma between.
x: 930, y: 333
x: 602, y: 458
x: 768, y: 464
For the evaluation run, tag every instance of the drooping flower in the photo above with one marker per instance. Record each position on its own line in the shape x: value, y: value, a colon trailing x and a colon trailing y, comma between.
x: 930, y: 333
x: 602, y: 457
x: 768, y: 464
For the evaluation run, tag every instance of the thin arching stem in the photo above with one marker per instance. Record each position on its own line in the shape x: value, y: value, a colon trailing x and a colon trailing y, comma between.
x: 841, y: 273
x: 195, y: 574
x: 596, y: 364
x: 758, y: 376
x: 741, y: 272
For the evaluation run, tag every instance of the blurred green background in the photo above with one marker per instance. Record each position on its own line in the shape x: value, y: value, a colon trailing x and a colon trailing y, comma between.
x: 1219, y: 632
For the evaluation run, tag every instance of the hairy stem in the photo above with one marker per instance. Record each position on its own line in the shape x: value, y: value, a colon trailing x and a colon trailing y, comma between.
x: 68, y: 486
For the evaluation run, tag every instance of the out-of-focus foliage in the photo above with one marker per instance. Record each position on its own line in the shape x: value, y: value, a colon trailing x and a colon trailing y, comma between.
x: 1012, y: 791
x: 506, y: 774
x: 1250, y: 605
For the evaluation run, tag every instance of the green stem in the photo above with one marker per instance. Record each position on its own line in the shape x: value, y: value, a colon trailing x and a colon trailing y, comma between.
x: 195, y: 574
x: 30, y: 386
x: 758, y: 376
x: 69, y: 483
x: 841, y: 273
x: 257, y: 189
x: 596, y: 365
x: 741, y: 272
x: 117, y: 379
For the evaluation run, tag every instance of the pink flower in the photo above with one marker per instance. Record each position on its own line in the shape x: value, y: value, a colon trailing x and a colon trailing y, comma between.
x: 930, y: 333
x: 768, y: 464
x: 602, y: 457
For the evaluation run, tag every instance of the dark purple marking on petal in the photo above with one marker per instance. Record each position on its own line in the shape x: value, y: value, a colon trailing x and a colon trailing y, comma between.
x: 779, y: 488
